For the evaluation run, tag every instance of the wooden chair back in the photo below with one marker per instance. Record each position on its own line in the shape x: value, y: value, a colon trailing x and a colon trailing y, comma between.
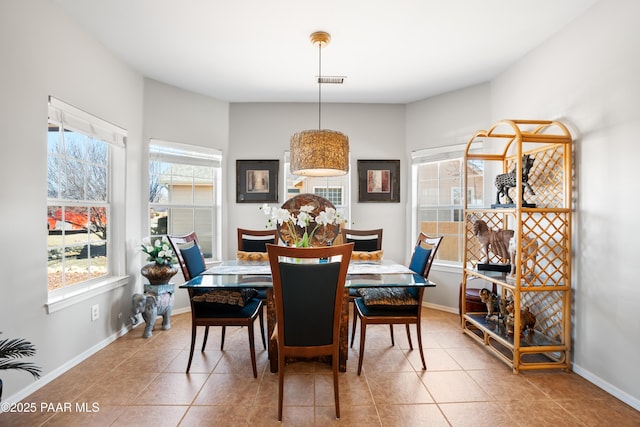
x: 256, y: 240
x: 364, y: 240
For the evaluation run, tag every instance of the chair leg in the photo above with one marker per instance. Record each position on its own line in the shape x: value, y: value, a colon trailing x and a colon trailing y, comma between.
x: 393, y: 343
x: 264, y: 342
x: 206, y: 335
x: 363, y: 331
x: 409, y: 337
x: 193, y: 344
x: 355, y: 320
x: 252, y: 348
x: 280, y: 384
x: 336, y: 393
x: 224, y: 331
x: 419, y: 331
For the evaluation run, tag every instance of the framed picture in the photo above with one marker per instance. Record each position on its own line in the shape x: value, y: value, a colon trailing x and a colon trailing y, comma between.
x: 257, y: 181
x: 379, y: 181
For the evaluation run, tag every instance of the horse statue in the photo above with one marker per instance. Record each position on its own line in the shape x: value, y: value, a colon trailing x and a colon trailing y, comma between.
x: 505, y: 181
x: 495, y: 241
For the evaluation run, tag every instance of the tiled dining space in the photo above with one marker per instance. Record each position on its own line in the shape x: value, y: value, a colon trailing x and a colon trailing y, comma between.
x: 141, y: 382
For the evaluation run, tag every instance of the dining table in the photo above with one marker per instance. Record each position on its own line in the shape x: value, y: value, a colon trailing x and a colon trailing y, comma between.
x: 241, y: 274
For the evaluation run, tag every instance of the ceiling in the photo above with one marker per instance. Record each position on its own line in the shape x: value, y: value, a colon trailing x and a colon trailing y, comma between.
x: 259, y: 50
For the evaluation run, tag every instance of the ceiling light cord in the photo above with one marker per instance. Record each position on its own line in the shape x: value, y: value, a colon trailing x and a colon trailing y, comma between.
x: 319, y: 86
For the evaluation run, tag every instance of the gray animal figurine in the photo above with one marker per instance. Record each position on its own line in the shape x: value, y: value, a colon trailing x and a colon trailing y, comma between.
x: 147, y: 304
x: 505, y: 181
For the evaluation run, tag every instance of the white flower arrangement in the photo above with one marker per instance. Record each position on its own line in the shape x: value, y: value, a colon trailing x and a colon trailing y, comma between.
x: 304, y: 218
x: 159, y: 251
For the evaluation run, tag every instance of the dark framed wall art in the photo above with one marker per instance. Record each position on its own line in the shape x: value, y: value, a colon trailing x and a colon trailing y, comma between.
x: 257, y: 181
x: 379, y: 181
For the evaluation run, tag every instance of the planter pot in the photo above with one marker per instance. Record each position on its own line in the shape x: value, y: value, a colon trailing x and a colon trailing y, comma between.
x: 158, y: 274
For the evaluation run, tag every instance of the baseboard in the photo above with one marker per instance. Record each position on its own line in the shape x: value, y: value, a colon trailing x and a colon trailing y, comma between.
x: 606, y: 386
x: 440, y: 307
x: 46, y: 379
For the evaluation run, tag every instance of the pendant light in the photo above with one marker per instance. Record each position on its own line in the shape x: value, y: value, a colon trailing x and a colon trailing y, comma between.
x: 319, y: 152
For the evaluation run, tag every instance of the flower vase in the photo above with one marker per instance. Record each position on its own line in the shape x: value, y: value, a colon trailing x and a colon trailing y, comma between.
x: 158, y: 274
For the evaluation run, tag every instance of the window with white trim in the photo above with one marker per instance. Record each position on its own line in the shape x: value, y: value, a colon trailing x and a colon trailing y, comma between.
x: 81, y: 153
x: 334, y: 188
x: 184, y: 193
x: 438, y: 204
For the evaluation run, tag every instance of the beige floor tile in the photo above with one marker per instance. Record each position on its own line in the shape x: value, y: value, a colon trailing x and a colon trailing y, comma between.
x: 142, y: 416
x: 398, y: 388
x: 101, y: 416
x: 602, y: 412
x: 412, y: 415
x: 172, y: 389
x: 352, y: 416
x: 539, y: 413
x: 219, y: 416
x: 227, y: 389
x: 387, y: 359
x: 453, y: 386
x: 502, y: 384
x: 476, y: 414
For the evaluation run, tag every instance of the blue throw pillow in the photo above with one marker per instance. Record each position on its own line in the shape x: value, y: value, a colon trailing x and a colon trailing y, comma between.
x: 419, y: 259
x: 193, y: 259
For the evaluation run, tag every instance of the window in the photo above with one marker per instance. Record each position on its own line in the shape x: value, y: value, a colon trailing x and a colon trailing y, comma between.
x: 437, y: 175
x: 81, y: 150
x: 184, y: 193
x: 333, y: 194
x: 334, y: 188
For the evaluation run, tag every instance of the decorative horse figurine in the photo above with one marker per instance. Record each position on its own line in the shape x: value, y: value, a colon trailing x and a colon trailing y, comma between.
x: 496, y: 241
x: 505, y: 181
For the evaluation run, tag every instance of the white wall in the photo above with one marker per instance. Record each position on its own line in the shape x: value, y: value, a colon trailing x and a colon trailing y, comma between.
x: 263, y: 131
x: 43, y: 53
x: 588, y: 76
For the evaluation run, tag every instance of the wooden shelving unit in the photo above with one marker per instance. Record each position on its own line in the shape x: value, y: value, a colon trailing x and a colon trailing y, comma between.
x: 541, y: 279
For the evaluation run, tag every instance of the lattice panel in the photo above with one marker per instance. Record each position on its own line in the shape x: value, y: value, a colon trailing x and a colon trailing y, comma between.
x: 545, y: 256
x: 546, y: 177
x: 547, y: 307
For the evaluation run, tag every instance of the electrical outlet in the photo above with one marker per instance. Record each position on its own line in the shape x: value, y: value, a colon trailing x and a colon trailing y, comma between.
x: 95, y: 312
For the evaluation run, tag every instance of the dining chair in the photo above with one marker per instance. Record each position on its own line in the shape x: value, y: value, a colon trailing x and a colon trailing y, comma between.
x: 214, y: 307
x: 252, y: 246
x: 389, y: 306
x: 365, y: 241
x: 309, y: 291
x: 255, y: 241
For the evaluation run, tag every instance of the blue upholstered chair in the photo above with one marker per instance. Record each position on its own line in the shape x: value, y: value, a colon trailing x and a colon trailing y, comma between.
x: 382, y: 306
x: 209, y: 309
x: 308, y: 299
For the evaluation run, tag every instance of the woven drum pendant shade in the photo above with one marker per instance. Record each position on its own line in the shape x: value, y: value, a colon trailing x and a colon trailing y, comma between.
x: 319, y: 153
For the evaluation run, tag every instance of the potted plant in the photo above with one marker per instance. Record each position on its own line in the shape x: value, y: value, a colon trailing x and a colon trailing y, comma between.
x: 14, y: 349
x: 160, y: 269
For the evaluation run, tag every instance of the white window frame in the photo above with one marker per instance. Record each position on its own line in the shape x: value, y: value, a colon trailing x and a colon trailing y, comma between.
x: 432, y: 155
x: 176, y: 152
x: 70, y: 117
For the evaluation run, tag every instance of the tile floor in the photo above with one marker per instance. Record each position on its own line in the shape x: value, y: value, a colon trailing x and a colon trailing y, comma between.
x: 136, y: 381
